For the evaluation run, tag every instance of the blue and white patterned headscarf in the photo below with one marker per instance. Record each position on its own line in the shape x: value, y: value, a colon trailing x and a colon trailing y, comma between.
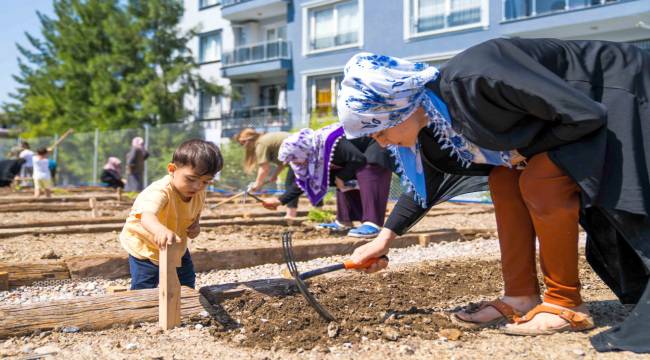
x: 379, y: 92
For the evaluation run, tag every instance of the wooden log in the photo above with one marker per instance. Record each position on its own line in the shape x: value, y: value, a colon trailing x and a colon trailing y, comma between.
x: 4, y: 280
x: 27, y: 274
x: 103, y: 266
x: 169, y: 302
x: 52, y: 200
x: 93, y: 313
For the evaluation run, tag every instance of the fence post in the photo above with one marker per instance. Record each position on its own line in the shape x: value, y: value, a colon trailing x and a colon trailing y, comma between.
x: 55, y: 154
x: 95, y: 156
x: 146, y: 146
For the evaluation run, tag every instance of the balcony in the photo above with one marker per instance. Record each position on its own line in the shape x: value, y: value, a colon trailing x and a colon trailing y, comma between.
x: 240, y: 10
x: 261, y: 118
x: 613, y: 20
x: 258, y: 60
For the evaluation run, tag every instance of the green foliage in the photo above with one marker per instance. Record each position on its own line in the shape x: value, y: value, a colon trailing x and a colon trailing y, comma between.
x: 321, y: 216
x: 232, y: 175
x: 105, y: 64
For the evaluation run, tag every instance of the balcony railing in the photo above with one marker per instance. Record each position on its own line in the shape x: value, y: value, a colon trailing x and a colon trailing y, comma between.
x: 522, y: 9
x: 225, y: 3
x: 250, y: 54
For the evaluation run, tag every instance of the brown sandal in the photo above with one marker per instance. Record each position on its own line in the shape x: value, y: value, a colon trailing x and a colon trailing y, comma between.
x: 575, y: 321
x: 508, y: 314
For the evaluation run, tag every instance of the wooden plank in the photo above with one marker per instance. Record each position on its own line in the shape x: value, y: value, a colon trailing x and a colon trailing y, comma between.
x: 169, y: 304
x: 93, y: 313
x: 26, y: 274
x: 53, y: 200
x: 4, y: 280
x: 103, y: 266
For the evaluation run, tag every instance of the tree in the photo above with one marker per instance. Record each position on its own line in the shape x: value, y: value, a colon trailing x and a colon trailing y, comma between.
x: 105, y: 64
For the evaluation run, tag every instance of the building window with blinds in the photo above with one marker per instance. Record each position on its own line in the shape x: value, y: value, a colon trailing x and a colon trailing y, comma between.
x: 333, y: 26
x: 430, y: 17
x: 210, y: 47
x: 321, y: 99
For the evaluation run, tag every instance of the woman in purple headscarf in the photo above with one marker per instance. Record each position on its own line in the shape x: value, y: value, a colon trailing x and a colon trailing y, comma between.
x: 323, y: 158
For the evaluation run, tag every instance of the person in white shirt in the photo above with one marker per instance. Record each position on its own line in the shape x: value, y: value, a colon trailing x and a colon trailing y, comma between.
x: 42, y: 176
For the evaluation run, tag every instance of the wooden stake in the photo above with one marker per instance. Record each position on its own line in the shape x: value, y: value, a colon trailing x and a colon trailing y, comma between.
x: 4, y: 281
x: 228, y: 199
x: 169, y: 300
x: 93, y: 207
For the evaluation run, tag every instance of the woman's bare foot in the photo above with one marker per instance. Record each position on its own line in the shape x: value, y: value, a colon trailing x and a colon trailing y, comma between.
x: 546, y: 321
x: 520, y: 303
x: 292, y: 213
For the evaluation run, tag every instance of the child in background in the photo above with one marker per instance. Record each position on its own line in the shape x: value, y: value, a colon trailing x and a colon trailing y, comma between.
x: 41, y: 173
x: 168, y: 211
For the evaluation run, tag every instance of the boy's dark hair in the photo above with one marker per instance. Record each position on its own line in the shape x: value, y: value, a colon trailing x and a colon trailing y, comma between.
x: 203, y: 156
x: 42, y: 151
x: 24, y: 144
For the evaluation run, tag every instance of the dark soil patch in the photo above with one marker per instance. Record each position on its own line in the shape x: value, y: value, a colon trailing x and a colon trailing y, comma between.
x: 389, y: 306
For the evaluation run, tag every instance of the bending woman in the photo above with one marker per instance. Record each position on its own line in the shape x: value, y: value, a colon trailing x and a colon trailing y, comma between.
x: 560, y: 128
x: 262, y: 152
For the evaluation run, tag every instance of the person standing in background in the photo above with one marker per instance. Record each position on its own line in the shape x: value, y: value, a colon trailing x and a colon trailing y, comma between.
x: 135, y: 165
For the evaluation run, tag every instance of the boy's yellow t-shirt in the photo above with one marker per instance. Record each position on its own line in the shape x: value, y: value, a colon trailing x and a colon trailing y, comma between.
x: 174, y: 213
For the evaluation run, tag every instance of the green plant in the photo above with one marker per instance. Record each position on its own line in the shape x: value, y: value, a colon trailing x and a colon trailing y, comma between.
x: 321, y: 216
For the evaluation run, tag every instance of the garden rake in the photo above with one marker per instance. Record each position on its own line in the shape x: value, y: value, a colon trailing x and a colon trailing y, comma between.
x: 299, y: 278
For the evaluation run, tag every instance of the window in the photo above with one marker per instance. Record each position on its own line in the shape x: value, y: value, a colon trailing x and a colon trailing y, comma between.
x: 207, y: 3
x: 210, y: 47
x: 322, y: 93
x: 332, y: 26
x: 210, y: 106
x: 518, y: 9
x: 428, y: 17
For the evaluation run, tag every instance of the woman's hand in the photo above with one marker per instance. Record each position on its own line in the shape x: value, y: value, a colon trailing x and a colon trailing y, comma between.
x: 516, y: 157
x: 374, y: 249
x: 271, y: 203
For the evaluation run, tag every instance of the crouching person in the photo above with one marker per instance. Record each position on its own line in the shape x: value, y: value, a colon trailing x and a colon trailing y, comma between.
x: 168, y: 212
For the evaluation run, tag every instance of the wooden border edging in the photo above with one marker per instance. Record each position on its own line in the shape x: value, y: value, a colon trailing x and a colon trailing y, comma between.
x: 113, y: 267
x: 93, y: 313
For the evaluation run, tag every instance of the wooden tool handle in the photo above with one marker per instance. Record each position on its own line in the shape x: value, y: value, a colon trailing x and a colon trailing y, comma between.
x: 348, y: 264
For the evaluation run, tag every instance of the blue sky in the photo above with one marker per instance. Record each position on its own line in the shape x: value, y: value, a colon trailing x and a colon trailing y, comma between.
x: 16, y: 17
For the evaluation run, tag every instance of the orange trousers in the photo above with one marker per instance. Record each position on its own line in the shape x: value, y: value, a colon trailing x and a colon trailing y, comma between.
x: 538, y: 201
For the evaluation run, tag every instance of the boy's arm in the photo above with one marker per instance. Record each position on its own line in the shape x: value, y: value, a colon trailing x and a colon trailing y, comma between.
x: 194, y: 229
x: 162, y: 235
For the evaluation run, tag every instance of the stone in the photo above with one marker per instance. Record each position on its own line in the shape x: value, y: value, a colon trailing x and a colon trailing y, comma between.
x: 390, y: 333
x: 70, y: 329
x: 131, y: 346
x: 49, y: 349
x: 406, y: 350
x: 579, y: 352
x: 198, y: 326
x: 332, y: 329
x: 450, y: 334
x: 239, y: 338
x: 51, y: 255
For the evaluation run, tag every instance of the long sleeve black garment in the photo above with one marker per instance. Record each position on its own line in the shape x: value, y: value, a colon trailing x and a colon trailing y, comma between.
x: 445, y: 178
x: 111, y: 178
x: 346, y: 157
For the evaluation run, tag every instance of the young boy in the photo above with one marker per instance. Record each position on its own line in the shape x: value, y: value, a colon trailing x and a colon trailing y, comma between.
x: 168, y: 212
x: 41, y: 173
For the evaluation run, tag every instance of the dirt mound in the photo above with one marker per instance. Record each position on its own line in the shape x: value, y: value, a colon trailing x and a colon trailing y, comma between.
x: 388, y: 306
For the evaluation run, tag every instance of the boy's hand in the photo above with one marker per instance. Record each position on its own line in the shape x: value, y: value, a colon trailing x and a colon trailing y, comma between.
x: 271, y: 203
x: 164, y: 237
x: 194, y: 230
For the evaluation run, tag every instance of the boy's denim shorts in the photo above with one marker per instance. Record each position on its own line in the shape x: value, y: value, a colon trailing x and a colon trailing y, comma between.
x: 144, y: 273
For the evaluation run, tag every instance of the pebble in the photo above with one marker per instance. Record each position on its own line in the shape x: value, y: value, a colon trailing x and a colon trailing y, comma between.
x: 198, y: 326
x: 332, y: 329
x: 131, y: 346
x: 70, y: 329
x: 390, y: 333
x: 579, y: 352
x: 239, y: 338
x: 406, y: 350
x: 450, y: 334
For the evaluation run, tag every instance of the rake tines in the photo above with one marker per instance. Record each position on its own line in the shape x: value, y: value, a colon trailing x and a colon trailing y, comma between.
x: 302, y: 287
